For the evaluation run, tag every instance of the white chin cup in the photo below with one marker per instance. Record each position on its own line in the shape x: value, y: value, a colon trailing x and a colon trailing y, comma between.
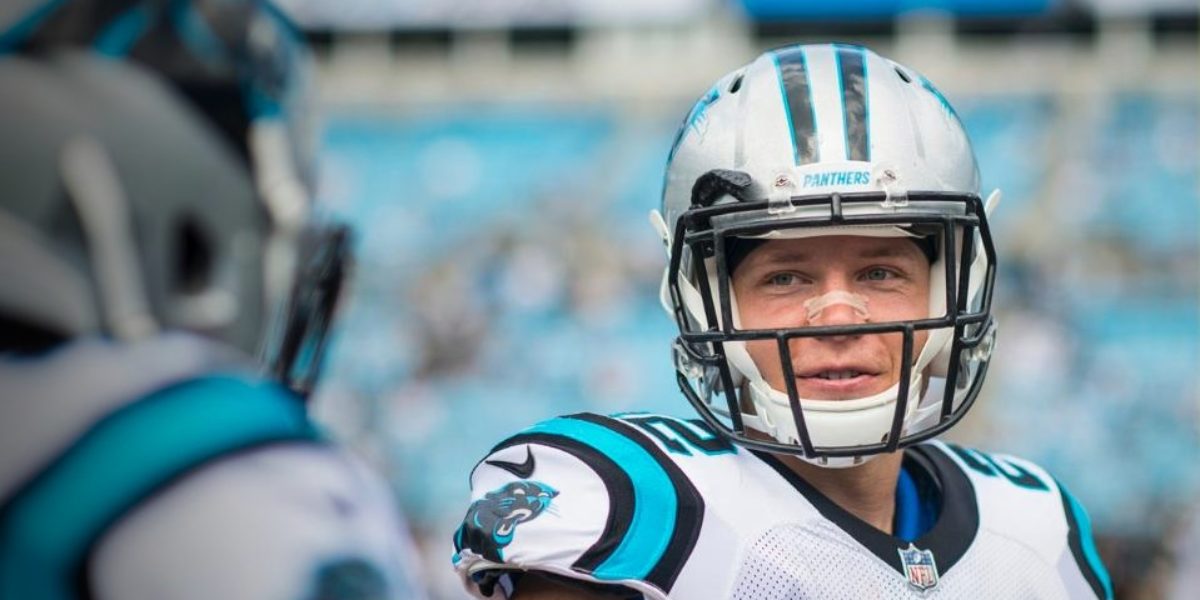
x: 830, y: 423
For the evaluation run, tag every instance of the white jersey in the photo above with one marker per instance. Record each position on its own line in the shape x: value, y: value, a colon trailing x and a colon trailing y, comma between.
x: 164, y: 470
x: 667, y: 508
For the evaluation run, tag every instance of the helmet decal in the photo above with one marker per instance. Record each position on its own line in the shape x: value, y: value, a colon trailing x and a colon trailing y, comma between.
x: 694, y: 120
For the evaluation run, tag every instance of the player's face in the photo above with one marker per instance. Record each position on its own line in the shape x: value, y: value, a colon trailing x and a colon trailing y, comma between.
x: 775, y: 280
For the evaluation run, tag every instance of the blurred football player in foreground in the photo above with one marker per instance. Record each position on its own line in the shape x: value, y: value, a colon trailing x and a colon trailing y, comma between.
x: 156, y: 240
x: 830, y: 271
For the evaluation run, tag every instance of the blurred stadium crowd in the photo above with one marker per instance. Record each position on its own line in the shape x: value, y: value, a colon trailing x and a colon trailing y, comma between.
x: 507, y: 272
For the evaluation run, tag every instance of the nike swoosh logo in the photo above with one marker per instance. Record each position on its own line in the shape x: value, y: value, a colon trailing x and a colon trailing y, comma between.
x: 522, y: 469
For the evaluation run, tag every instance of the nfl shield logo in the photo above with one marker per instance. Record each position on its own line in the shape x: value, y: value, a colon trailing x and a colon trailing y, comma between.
x: 919, y: 567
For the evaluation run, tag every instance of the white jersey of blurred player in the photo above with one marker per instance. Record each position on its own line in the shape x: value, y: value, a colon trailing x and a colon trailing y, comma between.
x: 667, y: 508
x: 183, y: 478
x: 140, y: 463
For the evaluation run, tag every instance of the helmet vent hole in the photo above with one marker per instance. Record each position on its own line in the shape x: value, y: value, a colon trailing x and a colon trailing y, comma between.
x: 736, y: 84
x: 903, y: 76
x: 193, y: 258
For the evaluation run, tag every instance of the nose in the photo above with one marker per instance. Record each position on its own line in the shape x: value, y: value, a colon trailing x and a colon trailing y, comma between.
x: 837, y: 307
x: 838, y: 314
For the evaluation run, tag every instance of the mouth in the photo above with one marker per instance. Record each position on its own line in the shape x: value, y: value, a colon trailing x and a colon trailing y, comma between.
x: 837, y: 383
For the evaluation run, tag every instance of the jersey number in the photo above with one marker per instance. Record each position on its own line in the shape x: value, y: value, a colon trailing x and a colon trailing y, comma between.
x: 678, y: 435
x: 985, y: 464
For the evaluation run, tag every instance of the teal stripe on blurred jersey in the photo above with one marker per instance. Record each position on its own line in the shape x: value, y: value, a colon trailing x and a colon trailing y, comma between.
x: 123, y: 32
x: 14, y: 34
x: 48, y: 527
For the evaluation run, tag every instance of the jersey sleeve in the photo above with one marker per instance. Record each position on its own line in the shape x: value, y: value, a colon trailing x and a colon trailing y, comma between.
x: 581, y: 497
x: 1032, y: 490
x: 1021, y: 501
x: 1080, y: 564
x: 290, y: 522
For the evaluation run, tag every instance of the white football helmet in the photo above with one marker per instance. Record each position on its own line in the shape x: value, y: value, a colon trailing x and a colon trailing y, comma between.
x: 820, y: 140
x: 263, y: 273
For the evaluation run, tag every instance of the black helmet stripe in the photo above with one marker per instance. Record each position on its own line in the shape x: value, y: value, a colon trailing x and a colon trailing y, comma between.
x: 852, y: 77
x: 794, y: 84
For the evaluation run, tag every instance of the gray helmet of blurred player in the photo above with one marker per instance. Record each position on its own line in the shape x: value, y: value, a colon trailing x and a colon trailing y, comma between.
x: 812, y: 141
x: 242, y: 67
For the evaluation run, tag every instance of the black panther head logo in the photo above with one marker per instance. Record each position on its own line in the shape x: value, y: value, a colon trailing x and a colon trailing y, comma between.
x: 491, y: 521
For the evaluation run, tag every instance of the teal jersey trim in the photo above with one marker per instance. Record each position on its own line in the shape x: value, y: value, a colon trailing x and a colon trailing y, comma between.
x: 1087, y: 542
x: 123, y: 32
x: 205, y: 45
x: 655, y: 502
x: 24, y: 27
x: 48, y: 528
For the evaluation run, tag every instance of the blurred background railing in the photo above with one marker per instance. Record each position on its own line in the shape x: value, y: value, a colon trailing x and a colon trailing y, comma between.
x: 499, y: 159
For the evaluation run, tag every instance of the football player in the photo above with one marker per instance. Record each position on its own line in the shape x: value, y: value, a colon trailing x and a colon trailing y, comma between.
x: 156, y: 238
x: 830, y: 269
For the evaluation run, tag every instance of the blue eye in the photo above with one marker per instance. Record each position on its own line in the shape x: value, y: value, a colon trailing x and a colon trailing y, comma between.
x: 877, y: 274
x: 783, y: 279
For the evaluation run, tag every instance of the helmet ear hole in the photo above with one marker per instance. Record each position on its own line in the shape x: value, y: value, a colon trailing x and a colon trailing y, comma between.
x: 193, y: 258
x: 903, y: 76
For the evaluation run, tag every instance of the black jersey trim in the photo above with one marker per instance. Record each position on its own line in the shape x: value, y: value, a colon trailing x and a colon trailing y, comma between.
x: 949, y: 539
x: 615, y: 479
x: 689, y: 517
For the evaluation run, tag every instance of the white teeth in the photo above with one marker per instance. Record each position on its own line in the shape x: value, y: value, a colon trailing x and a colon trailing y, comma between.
x: 839, y: 375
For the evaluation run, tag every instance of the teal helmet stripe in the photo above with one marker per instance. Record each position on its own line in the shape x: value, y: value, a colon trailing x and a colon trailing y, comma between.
x: 48, y: 528
x: 654, y: 499
x: 791, y: 66
x: 852, y: 85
